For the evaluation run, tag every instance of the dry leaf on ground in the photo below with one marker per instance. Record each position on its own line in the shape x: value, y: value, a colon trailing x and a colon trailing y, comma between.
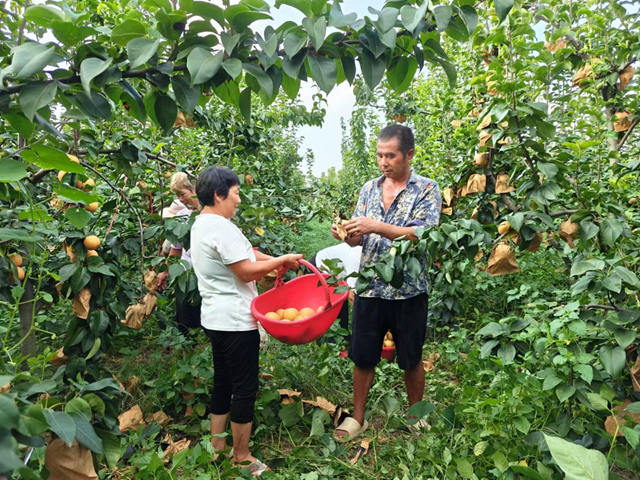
x: 158, y: 417
x: 63, y: 462
x: 132, y: 384
x: 621, y: 412
x: 362, y: 451
x: 132, y: 418
x: 502, y: 260
x: 175, y: 447
x: 287, y: 395
x: 429, y: 363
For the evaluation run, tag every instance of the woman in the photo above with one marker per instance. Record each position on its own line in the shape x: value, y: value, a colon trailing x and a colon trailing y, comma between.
x: 227, y: 266
x: 187, y: 315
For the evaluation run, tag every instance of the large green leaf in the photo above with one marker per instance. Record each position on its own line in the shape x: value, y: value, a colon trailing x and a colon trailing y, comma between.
x: 244, y: 103
x: 229, y: 41
x: 90, y: 69
x: 401, y: 73
x: 36, y: 95
x: 30, y: 58
x: 565, y: 392
x: 576, y: 461
x: 74, y: 195
x: 128, y: 30
x: 233, y: 66
x: 291, y: 86
x: 240, y: 16
x: 261, y: 76
x: 166, y: 112
x: 411, y: 17
x: 9, y: 413
x: 19, y: 235
x: 136, y: 105
x: 12, y: 170
x: 317, y: 30
x: 584, y: 266
x: 627, y: 276
x: 387, y: 18
x: 208, y: 10
x: 94, y: 105
x: 293, y: 43
x: 70, y: 34
x: 78, y: 406
x: 51, y: 159
x: 303, y: 5
x: 86, y: 435
x: 291, y: 65
x: 19, y: 123
x: 268, y: 44
x: 443, y: 15
x: 78, y: 217
x: 112, y: 449
x: 140, y: 51
x: 43, y: 15
x: 610, y: 230
x: 61, y: 424
x: 324, y: 71
x: 613, y: 360
x: 202, y: 65
x: 503, y: 7
x: 186, y: 95
x: 372, y: 68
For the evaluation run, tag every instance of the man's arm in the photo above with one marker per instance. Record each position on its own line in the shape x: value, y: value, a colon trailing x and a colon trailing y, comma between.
x: 364, y: 226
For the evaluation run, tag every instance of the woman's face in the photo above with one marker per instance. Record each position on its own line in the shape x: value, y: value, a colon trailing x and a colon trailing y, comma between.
x: 188, y: 197
x: 227, y: 206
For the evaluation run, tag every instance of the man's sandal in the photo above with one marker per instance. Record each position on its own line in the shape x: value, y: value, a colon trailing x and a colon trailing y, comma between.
x: 352, y: 427
x: 420, y: 427
x: 257, y: 468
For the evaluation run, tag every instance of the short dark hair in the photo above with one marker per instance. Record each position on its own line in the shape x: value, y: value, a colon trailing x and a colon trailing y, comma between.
x: 404, y: 135
x: 215, y: 180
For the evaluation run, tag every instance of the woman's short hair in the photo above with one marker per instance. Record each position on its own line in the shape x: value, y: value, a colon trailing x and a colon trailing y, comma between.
x: 215, y: 180
x: 180, y: 181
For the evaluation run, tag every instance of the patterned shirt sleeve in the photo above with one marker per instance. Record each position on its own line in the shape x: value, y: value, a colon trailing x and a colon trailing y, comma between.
x: 427, y: 209
x: 361, y: 207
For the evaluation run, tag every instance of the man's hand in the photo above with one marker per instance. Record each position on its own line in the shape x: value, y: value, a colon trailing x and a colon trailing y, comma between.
x: 290, y: 261
x: 334, y: 232
x: 162, y: 280
x: 361, y: 226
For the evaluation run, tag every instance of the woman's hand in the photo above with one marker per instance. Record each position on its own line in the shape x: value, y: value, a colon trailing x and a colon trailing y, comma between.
x: 162, y: 280
x: 290, y: 261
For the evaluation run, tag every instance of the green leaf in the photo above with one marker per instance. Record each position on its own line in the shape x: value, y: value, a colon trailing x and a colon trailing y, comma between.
x: 411, y: 17
x: 317, y: 30
x: 36, y: 95
x: 12, y: 170
x: 585, y: 266
x: 30, y: 58
x: 95, y: 105
x: 470, y: 17
x: 291, y: 66
x: 387, y: 18
x: 128, y: 30
x: 522, y: 424
x: 291, y: 413
x: 245, y: 104
x: 229, y: 41
x: 391, y: 405
x: 78, y: 217
x: 86, y: 435
x: 507, y: 353
x: 136, y: 105
x: 597, y: 401
x: 401, y: 74
x: 79, y: 407
x: 633, y: 407
x: 291, y: 86
x: 18, y: 234
x: 293, y: 43
x: 320, y: 417
x: 32, y: 422
x: 233, y: 67
x: 302, y: 5
x: 208, y: 10
x: 240, y: 20
x: 98, y: 341
x: 419, y: 411
x: 61, y: 424
x: 112, y: 449
x: 74, y: 195
x: 576, y: 461
x: 186, y: 95
x: 324, y: 71
x: 166, y: 112
x: 631, y: 436
x: 503, y: 7
x: 625, y: 337
x: 565, y: 392
x: 372, y: 68
x: 261, y: 76
x: 70, y: 34
x: 627, y: 276
x: 545, y: 129
x: 443, y: 16
x: 20, y: 123
x: 612, y: 283
x: 465, y: 470
x: 202, y: 65
x: 551, y: 382
x: 527, y: 472
x: 610, y: 230
x: 613, y: 360
x: 51, y: 159
x: 9, y: 413
x: 43, y: 15
x: 140, y: 51
x: 585, y: 372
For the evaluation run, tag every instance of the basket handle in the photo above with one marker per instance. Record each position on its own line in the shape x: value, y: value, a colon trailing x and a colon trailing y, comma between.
x: 327, y: 294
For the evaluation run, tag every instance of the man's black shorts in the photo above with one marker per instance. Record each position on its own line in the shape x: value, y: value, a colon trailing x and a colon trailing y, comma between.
x: 373, y: 317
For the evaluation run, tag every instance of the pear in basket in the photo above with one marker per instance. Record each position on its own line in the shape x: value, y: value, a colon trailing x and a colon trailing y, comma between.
x: 290, y: 314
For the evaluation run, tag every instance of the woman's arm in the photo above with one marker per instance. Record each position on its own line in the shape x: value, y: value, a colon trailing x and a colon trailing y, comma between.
x: 262, y: 256
x: 248, y: 271
x: 162, y: 276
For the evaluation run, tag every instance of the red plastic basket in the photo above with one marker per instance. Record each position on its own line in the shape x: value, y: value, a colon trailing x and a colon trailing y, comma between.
x: 299, y: 293
x: 388, y: 353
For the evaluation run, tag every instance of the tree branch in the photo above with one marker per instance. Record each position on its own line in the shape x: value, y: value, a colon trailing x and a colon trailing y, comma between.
x: 561, y: 213
x: 627, y: 134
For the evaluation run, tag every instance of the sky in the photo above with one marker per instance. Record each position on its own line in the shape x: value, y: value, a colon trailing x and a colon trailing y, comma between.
x: 324, y: 141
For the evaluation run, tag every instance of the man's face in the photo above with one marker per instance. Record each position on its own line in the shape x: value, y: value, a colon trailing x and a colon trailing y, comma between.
x: 390, y: 159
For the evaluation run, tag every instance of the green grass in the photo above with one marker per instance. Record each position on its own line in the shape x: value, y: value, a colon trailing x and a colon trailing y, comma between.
x: 314, y: 236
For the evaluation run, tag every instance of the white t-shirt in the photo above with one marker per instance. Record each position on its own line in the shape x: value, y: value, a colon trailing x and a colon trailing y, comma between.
x: 226, y: 301
x: 350, y: 257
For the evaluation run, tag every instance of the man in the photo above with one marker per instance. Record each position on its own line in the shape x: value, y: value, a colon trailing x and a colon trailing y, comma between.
x: 389, y: 207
